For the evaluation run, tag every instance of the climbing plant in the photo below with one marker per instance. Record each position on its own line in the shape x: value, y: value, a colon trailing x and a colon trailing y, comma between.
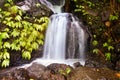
x: 19, y: 32
x: 100, y: 15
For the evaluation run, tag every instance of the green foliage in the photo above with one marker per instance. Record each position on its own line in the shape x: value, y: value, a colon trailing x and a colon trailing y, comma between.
x: 107, y: 45
x: 95, y: 51
x: 94, y: 12
x: 81, y: 7
x: 113, y: 17
x: 19, y: 33
x: 65, y: 72
x: 108, y: 56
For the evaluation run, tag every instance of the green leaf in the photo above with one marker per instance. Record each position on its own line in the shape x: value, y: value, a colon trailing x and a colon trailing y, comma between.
x: 5, y: 63
x: 95, y: 43
x: 14, y: 9
x: 37, y: 26
x: 6, y: 13
x: 113, y: 17
x: 110, y: 48
x: 0, y: 9
x: 68, y: 70
x: 40, y: 42
x: 17, y: 47
x: 26, y: 55
x: 7, y: 5
x: 34, y: 33
x: 23, y: 34
x: 41, y: 36
x: 6, y: 55
x: 95, y: 51
x: 94, y: 36
x: 18, y: 24
x: 18, y: 18
x: 6, y: 29
x: 22, y: 43
x: 108, y: 56
x: 20, y: 12
x: 10, y: 1
x: 11, y: 24
x: 34, y: 45
x: 13, y: 46
x: 30, y: 49
x: 6, y: 45
x: 43, y: 27
x: 4, y: 35
x: 8, y: 18
x: 15, y: 33
x: 1, y: 55
x: 105, y: 44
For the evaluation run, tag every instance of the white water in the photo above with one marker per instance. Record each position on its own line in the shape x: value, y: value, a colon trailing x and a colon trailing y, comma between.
x: 56, y: 37
x: 82, y: 40
x: 55, y: 42
x: 55, y: 8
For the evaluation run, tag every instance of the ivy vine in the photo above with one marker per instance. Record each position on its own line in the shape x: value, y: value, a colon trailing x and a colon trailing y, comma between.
x: 18, y: 32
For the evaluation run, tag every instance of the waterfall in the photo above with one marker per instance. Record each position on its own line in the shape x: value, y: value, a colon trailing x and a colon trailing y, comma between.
x: 66, y: 38
x: 56, y: 37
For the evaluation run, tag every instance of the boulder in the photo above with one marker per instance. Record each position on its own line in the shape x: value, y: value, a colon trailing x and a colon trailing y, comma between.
x: 34, y: 8
x: 59, y: 68
x: 57, y: 72
x: 14, y: 74
x: 39, y: 72
x: 36, y: 71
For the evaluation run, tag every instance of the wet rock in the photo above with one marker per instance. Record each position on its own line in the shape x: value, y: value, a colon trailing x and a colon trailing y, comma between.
x: 84, y: 73
x: 14, y: 74
x: 57, y: 72
x: 49, y: 76
x: 36, y: 70
x: 58, y: 68
x: 34, y: 8
x: 77, y: 64
x: 75, y: 39
x: 40, y: 72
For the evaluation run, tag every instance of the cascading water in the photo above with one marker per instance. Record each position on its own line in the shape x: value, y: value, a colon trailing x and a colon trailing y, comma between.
x: 55, y: 6
x: 55, y: 44
x: 66, y: 37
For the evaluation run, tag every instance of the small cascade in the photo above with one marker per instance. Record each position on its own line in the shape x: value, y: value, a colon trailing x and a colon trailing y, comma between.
x: 55, y: 6
x: 55, y: 44
x: 65, y: 38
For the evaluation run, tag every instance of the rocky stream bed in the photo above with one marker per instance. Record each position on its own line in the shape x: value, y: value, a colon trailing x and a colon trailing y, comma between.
x: 58, y: 72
